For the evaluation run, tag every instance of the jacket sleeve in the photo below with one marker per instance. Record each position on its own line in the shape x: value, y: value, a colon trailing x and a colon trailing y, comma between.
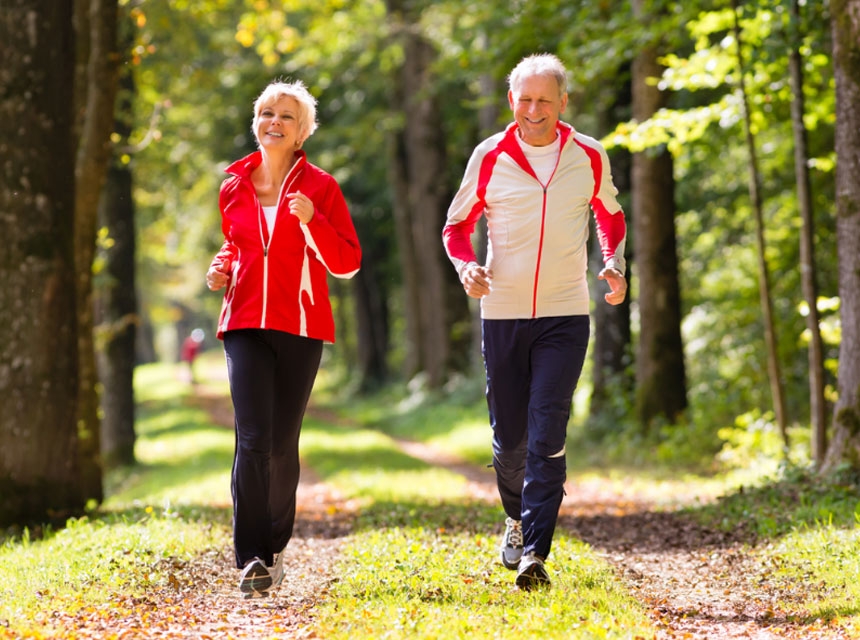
x: 609, y: 218
x: 223, y: 260
x: 466, y: 209
x: 331, y: 234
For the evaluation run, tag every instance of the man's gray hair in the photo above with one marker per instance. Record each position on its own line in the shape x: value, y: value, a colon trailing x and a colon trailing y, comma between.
x: 539, y: 64
x: 296, y: 89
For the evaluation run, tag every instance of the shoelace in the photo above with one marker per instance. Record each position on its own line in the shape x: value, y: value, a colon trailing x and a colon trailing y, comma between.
x: 515, y: 533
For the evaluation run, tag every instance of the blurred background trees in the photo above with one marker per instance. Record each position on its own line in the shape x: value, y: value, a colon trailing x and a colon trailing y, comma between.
x: 406, y: 89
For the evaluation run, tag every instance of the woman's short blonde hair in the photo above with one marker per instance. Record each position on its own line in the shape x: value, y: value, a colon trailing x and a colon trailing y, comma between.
x: 539, y: 64
x: 296, y: 89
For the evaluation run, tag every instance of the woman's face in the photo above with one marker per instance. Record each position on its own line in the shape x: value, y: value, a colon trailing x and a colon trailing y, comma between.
x: 277, y: 125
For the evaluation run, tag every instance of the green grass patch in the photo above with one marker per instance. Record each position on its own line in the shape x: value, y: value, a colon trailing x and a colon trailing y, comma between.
x: 423, y: 560
x: 165, y: 510
x: 806, y: 531
x: 779, y: 505
x: 420, y: 582
x: 367, y: 464
x: 826, y: 559
x: 454, y: 422
x: 91, y: 560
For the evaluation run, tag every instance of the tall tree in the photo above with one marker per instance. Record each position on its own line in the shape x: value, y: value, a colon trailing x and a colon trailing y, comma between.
x: 98, y: 63
x: 116, y: 293
x: 421, y: 199
x: 845, y: 17
x: 39, y: 472
x: 765, y: 295
x: 817, y: 403
x: 661, y: 387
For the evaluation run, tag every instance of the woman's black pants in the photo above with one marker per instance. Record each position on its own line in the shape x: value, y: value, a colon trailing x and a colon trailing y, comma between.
x: 271, y: 376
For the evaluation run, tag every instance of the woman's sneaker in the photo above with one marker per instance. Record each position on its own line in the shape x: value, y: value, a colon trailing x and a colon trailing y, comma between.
x: 532, y: 573
x: 255, y: 580
x: 512, y: 543
x: 277, y: 570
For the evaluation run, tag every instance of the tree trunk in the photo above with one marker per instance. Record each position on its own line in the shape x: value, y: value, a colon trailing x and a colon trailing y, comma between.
x: 421, y: 151
x: 773, y: 366
x: 39, y: 472
x: 661, y: 388
x: 95, y: 104
x: 817, y: 403
x: 371, y: 313
x: 611, y: 356
x: 398, y: 179
x: 116, y: 300
x: 117, y: 319
x: 845, y: 24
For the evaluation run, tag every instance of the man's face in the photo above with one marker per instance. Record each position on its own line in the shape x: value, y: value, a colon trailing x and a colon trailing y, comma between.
x: 537, y: 106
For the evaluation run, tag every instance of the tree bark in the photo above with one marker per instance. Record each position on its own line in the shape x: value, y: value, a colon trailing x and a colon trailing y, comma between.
x: 817, y: 402
x: 39, y: 470
x: 97, y: 24
x: 116, y: 298
x: 661, y: 388
x: 845, y: 25
x: 423, y: 197
x: 611, y: 351
x: 371, y: 314
x: 117, y: 319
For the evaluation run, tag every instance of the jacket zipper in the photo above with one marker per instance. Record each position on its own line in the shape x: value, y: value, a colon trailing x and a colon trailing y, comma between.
x: 260, y: 217
x: 544, y: 188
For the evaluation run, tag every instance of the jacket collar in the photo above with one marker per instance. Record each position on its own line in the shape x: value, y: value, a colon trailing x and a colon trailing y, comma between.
x: 511, y: 146
x: 245, y: 166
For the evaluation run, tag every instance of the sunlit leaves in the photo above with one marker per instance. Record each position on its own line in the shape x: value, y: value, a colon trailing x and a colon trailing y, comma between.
x: 675, y: 128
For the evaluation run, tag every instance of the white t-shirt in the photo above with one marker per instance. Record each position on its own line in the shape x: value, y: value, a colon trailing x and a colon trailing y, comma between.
x: 542, y: 159
x: 270, y: 213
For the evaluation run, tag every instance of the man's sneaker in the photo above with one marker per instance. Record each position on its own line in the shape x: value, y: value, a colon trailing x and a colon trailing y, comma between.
x: 512, y: 543
x: 532, y: 574
x: 255, y: 580
x: 277, y: 570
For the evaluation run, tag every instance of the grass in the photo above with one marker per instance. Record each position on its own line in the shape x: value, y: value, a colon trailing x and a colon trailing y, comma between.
x: 421, y: 561
x: 426, y: 582
x: 171, y: 507
x: 807, y: 533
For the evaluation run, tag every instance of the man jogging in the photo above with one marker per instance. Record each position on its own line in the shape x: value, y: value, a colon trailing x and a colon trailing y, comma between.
x: 536, y: 182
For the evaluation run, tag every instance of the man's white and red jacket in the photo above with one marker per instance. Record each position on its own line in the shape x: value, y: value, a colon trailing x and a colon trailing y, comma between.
x: 278, y: 280
x: 537, y: 232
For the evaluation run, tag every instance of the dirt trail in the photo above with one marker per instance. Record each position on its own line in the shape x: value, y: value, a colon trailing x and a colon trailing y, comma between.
x: 697, y: 583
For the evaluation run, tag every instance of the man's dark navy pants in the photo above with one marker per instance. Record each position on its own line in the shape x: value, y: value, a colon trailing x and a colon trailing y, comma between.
x: 533, y: 366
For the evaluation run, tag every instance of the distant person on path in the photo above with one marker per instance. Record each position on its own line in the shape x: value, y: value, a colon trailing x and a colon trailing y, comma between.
x: 286, y: 227
x: 189, y: 351
x: 535, y: 183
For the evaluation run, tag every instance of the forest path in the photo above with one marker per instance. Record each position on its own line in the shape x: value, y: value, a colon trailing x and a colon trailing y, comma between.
x: 697, y: 583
